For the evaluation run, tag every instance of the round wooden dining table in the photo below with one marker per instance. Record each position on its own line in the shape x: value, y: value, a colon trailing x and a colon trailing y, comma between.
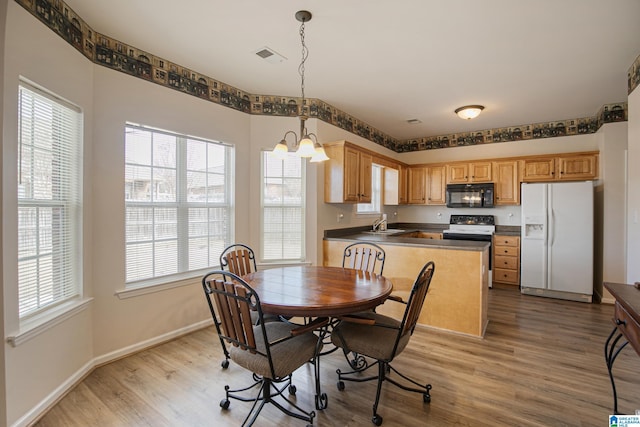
x: 315, y: 291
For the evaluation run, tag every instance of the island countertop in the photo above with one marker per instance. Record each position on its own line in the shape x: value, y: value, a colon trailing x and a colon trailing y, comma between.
x: 458, y: 295
x: 398, y: 238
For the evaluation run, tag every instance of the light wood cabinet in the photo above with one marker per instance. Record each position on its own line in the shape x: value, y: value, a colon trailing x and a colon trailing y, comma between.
x: 429, y: 235
x: 480, y: 172
x: 506, y: 182
x: 457, y: 173
x: 577, y: 167
x: 538, y: 169
x: 347, y: 174
x: 436, y: 185
x: 506, y: 259
x: 564, y: 167
x: 426, y: 185
x: 460, y: 173
x: 402, y: 186
x: 417, y: 185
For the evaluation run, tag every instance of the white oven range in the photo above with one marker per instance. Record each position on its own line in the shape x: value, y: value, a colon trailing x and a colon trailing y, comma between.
x: 479, y: 228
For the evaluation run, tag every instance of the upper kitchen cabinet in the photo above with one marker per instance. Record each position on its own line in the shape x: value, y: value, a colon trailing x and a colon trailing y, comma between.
x: 403, y: 186
x: 578, y: 167
x: 506, y: 182
x: 416, y: 185
x: 436, y: 185
x: 426, y: 185
x: 562, y: 167
x: 347, y: 174
x: 539, y: 169
x: 460, y: 173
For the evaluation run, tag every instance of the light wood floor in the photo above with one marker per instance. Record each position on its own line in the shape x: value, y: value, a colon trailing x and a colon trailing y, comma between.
x: 541, y: 364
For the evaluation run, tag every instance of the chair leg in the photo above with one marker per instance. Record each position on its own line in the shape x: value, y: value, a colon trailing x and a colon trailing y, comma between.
x: 266, y: 394
x: 382, y: 373
x: 384, y: 370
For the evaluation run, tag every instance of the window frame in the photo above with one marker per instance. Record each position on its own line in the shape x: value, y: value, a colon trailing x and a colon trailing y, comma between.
x: 64, y: 145
x: 303, y: 197
x: 182, y: 207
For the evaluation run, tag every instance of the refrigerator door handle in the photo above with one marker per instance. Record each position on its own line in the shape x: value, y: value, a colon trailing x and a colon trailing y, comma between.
x: 552, y: 228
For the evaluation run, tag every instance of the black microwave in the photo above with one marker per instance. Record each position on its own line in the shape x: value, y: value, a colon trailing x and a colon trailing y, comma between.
x: 470, y: 195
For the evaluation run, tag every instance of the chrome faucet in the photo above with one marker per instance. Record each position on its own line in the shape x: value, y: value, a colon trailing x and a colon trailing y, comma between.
x: 380, y: 224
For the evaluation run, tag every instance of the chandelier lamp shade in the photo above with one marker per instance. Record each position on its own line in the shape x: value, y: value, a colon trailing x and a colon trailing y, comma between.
x: 469, y: 112
x: 305, y: 146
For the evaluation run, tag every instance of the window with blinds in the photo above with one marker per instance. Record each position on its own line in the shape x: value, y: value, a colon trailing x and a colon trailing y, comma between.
x: 178, y: 197
x: 49, y: 200
x: 283, y: 201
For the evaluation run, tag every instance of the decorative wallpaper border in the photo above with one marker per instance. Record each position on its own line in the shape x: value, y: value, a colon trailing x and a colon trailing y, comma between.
x: 119, y: 56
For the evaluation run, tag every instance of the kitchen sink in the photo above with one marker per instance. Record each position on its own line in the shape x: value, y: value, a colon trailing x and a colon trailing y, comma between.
x: 385, y: 232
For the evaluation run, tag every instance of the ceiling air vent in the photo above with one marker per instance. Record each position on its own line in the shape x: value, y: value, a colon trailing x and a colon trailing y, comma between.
x: 414, y: 121
x: 270, y: 55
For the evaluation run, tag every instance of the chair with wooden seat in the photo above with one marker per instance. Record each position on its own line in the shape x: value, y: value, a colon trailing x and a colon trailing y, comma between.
x: 364, y: 256
x: 271, y: 350
x: 382, y: 338
x: 238, y: 259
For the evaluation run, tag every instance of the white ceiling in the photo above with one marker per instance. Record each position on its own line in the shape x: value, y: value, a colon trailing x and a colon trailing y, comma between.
x: 385, y: 61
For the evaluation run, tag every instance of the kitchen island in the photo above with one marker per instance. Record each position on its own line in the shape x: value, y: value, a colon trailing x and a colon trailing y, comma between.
x: 458, y: 297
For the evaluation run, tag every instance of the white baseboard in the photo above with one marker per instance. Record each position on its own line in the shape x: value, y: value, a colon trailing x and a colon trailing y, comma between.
x: 40, y: 409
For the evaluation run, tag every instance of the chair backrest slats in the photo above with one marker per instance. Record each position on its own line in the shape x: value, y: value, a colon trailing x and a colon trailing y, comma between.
x: 222, y: 304
x: 232, y: 303
x: 245, y: 316
x: 238, y: 259
x: 364, y: 256
x: 417, y: 298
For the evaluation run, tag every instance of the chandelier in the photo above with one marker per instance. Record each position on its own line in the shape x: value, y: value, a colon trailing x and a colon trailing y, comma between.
x: 305, y: 147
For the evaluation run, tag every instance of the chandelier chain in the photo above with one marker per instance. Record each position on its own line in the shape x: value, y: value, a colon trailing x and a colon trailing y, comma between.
x: 305, y: 54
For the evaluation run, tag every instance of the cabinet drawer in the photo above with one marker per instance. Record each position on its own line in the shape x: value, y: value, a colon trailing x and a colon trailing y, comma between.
x: 506, y: 240
x: 508, y: 262
x: 506, y: 250
x: 505, y: 276
x: 629, y: 327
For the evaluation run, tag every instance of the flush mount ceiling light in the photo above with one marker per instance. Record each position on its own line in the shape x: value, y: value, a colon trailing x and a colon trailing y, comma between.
x: 469, y: 112
x: 305, y: 147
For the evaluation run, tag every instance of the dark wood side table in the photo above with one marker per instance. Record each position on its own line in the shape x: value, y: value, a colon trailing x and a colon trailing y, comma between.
x: 626, y: 330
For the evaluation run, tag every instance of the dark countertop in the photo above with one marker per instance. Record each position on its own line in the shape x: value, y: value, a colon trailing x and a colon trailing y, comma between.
x: 359, y: 233
x: 508, y: 230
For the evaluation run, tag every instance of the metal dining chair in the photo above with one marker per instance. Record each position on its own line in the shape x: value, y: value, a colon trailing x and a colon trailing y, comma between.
x: 271, y: 350
x: 382, y: 338
x: 240, y: 259
x: 364, y: 256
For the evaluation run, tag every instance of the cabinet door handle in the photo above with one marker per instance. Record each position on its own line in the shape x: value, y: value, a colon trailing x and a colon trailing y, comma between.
x: 621, y: 322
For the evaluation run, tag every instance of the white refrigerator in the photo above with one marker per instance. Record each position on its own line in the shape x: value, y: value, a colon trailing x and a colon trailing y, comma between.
x: 557, y: 240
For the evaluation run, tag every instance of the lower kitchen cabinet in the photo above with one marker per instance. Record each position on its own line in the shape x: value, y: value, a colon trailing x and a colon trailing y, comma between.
x: 506, y: 259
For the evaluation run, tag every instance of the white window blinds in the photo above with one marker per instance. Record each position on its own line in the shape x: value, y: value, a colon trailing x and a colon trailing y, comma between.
x: 179, y: 210
x: 49, y: 200
x: 283, y: 201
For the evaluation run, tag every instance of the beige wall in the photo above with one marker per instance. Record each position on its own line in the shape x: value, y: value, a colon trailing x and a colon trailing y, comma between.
x: 41, y: 369
x: 610, y: 200
x: 31, y: 51
x: 633, y: 190
x: 3, y: 383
